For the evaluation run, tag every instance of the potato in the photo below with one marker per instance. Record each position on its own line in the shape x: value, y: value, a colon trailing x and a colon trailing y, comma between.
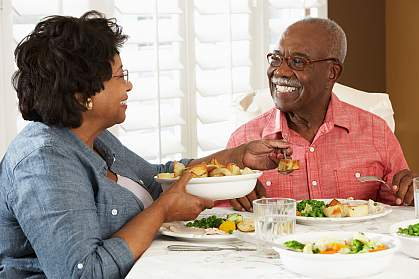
x: 356, y: 210
x: 178, y: 168
x: 334, y: 211
x: 286, y: 165
x: 199, y: 170
x: 246, y: 170
x: 233, y: 168
x: 165, y: 175
x: 220, y: 172
x: 247, y: 225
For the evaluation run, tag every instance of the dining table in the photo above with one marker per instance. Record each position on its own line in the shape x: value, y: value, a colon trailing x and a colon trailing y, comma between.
x: 159, y: 262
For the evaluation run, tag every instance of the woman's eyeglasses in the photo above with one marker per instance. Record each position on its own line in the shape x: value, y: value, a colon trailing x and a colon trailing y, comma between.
x: 124, y: 75
x: 294, y: 62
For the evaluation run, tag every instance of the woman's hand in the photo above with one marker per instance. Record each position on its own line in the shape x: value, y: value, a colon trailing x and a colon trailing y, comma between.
x: 262, y: 154
x: 181, y: 206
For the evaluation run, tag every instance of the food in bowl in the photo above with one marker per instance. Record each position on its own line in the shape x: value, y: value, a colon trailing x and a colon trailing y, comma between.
x: 203, y: 169
x: 337, y: 209
x: 410, y: 230
x: 216, y: 186
x: 359, y: 243
x: 406, y: 231
x: 333, y: 264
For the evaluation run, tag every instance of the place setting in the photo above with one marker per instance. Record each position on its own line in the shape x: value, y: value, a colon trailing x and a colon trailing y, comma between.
x: 319, y: 234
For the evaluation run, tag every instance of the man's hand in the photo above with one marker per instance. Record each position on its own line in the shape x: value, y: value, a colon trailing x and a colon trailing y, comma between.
x: 263, y: 154
x: 245, y: 203
x: 403, y: 184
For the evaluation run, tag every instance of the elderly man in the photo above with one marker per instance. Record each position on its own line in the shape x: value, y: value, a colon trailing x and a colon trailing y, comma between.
x: 335, y: 143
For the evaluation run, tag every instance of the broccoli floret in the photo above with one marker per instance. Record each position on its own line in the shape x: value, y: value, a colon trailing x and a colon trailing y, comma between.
x: 294, y: 245
x: 205, y: 223
x: 311, y: 208
x: 236, y: 218
x: 356, y: 246
x: 412, y: 230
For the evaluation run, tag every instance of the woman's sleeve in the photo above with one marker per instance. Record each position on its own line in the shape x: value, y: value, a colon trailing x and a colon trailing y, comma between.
x: 54, y: 203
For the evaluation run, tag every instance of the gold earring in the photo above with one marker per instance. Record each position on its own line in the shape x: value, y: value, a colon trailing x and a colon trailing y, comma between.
x: 89, y: 104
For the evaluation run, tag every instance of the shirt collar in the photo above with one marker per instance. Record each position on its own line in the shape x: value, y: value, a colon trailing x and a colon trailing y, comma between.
x: 335, y: 116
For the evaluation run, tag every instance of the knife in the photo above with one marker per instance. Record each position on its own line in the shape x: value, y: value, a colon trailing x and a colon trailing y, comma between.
x: 206, y: 248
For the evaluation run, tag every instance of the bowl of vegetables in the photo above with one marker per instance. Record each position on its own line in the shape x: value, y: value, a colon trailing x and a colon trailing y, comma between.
x: 336, y: 254
x: 408, y: 233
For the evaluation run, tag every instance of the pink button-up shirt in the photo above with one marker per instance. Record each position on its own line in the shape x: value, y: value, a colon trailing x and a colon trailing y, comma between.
x: 350, y: 143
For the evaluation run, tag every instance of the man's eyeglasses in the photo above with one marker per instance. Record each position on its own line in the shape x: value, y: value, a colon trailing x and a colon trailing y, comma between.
x: 294, y: 62
x: 124, y: 75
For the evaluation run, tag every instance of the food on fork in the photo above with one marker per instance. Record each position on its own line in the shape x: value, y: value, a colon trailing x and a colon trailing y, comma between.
x: 203, y: 169
x: 288, y: 165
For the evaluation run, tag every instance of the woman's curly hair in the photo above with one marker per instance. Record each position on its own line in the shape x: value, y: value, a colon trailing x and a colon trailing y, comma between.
x: 64, y: 57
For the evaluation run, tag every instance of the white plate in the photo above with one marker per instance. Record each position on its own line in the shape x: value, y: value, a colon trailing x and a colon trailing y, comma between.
x: 217, y: 188
x: 343, y: 220
x: 197, y: 237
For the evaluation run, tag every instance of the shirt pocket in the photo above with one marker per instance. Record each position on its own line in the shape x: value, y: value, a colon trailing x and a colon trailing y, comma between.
x: 111, y: 218
x: 276, y: 184
x: 348, y: 184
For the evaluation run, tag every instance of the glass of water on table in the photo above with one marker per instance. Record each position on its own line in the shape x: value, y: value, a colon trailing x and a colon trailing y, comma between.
x: 274, y: 217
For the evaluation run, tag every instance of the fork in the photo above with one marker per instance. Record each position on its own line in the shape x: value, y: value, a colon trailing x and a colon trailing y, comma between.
x: 206, y: 248
x: 369, y: 178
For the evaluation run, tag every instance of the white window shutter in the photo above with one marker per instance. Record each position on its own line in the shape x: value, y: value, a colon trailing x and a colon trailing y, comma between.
x: 190, y: 63
x: 155, y: 124
x: 223, y: 68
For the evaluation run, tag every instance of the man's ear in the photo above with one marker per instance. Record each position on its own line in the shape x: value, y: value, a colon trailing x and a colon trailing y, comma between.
x: 335, y: 71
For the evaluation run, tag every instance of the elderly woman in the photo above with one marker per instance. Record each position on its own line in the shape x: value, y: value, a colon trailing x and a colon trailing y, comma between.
x: 73, y: 199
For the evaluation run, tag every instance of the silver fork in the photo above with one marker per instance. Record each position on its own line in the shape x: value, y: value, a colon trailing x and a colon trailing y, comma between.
x: 369, y: 178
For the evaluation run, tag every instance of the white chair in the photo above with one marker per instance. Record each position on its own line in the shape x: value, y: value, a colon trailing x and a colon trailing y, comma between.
x: 260, y: 101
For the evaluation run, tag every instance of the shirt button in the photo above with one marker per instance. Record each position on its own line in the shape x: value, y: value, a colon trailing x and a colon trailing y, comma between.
x: 357, y: 175
x: 311, y: 149
x: 80, y: 266
x: 141, y: 182
x: 314, y: 183
x: 114, y: 212
x: 268, y: 183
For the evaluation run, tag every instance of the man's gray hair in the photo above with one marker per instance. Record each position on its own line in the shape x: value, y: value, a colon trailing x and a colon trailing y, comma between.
x: 338, y: 44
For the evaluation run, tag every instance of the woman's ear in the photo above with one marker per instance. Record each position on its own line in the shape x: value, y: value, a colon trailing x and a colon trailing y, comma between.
x: 335, y: 71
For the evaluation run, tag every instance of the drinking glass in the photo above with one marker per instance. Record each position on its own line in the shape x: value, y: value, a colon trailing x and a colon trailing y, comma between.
x: 416, y: 195
x: 274, y: 217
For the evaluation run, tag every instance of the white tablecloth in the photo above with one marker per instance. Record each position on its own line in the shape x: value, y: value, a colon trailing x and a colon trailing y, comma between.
x: 158, y: 262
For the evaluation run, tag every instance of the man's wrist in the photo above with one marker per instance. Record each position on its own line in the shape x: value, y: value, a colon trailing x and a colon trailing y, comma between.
x: 237, y: 155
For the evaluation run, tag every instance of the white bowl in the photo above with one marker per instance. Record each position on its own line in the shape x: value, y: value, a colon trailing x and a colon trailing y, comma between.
x: 217, y: 188
x: 336, y: 265
x: 409, y: 244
